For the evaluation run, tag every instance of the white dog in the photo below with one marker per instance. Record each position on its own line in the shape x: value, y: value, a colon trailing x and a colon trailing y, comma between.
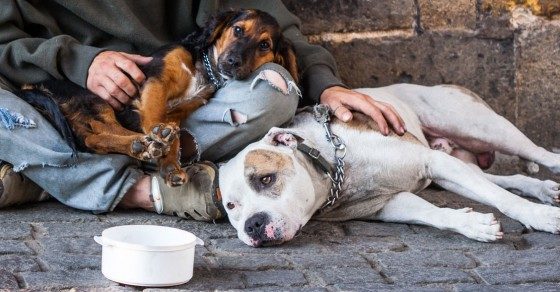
x: 272, y: 188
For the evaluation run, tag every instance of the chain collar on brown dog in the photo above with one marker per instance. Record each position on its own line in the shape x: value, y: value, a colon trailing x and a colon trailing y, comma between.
x: 217, y: 81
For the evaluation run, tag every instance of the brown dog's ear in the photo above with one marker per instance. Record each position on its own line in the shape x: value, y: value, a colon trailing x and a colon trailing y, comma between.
x: 205, y: 37
x: 285, y: 56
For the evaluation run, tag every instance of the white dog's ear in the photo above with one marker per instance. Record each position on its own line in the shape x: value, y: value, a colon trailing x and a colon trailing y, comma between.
x: 281, y: 136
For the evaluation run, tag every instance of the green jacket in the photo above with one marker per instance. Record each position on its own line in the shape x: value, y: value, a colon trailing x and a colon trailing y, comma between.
x: 41, y: 39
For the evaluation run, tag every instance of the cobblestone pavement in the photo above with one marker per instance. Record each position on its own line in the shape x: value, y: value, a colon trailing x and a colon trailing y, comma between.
x: 50, y: 246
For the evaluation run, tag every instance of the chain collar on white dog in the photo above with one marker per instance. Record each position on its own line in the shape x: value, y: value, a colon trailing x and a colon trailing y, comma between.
x: 322, y: 114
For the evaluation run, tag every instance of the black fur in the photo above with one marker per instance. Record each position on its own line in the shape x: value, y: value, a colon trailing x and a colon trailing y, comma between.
x: 50, y: 109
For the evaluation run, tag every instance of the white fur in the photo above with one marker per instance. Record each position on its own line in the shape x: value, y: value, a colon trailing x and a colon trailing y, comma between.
x: 383, y: 172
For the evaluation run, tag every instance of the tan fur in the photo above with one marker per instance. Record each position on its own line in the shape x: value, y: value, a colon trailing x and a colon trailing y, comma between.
x: 363, y: 122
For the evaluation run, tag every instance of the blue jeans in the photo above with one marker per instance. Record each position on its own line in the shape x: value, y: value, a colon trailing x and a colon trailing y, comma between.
x: 238, y: 114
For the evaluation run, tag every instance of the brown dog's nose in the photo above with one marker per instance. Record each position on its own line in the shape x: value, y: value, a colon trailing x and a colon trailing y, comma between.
x: 234, y: 61
x: 255, y: 225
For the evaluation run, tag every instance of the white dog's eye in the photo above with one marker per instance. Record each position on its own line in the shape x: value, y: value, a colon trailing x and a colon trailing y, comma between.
x: 266, y: 179
x: 230, y: 205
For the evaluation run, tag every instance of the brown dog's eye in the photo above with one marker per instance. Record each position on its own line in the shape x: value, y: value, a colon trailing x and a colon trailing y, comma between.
x: 230, y: 205
x: 264, y: 46
x: 237, y: 31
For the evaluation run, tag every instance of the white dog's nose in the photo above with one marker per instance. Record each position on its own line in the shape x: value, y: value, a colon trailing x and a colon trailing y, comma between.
x: 255, y: 226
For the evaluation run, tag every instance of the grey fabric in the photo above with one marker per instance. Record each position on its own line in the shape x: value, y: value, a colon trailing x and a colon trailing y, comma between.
x: 98, y: 182
x: 219, y: 137
x: 95, y: 182
x: 5, y: 84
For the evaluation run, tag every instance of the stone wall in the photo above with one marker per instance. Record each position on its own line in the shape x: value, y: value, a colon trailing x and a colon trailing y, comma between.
x: 506, y: 51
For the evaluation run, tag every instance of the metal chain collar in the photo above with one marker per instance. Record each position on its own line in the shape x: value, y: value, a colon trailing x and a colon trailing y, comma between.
x: 210, y: 72
x: 322, y: 114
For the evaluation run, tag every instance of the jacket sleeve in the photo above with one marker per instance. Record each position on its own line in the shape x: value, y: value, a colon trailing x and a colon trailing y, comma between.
x: 316, y: 65
x: 27, y: 59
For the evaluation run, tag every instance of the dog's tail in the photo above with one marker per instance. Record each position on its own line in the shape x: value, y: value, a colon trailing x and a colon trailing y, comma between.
x: 44, y: 103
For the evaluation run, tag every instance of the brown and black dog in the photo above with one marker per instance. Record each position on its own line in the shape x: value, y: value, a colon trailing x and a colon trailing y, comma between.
x: 179, y: 79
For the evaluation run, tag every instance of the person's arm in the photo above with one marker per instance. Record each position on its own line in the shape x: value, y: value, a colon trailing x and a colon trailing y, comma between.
x: 27, y: 59
x: 319, y: 74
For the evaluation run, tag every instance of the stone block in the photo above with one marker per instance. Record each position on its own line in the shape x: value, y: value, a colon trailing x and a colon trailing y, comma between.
x: 66, y: 262
x: 319, y: 16
x: 447, y: 14
x: 374, y: 229
x: 79, y: 245
x: 15, y: 231
x: 533, y: 287
x: 482, y: 65
x: 542, y: 240
x: 64, y: 279
x: 247, y: 262
x: 14, y: 247
x: 18, y: 263
x: 532, y: 257
x: 537, y: 59
x: 7, y: 280
x: 349, y: 275
x: 448, y: 240
x: 330, y: 260
x: 214, y: 279
x: 423, y: 275
x: 493, y: 19
x: 520, y: 274
x: 444, y: 258
x: 275, y: 277
x: 57, y: 212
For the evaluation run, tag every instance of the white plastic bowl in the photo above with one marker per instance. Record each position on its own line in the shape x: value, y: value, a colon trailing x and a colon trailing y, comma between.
x: 147, y: 255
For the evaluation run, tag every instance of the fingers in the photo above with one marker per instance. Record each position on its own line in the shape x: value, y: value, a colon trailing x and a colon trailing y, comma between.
x: 130, y: 67
x: 343, y: 100
x: 341, y: 112
x: 104, y: 94
x: 375, y: 113
x: 114, y: 90
x: 114, y: 76
x: 138, y: 59
x: 390, y: 114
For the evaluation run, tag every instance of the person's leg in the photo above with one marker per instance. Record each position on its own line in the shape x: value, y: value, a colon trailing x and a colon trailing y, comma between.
x: 88, y: 182
x: 243, y: 111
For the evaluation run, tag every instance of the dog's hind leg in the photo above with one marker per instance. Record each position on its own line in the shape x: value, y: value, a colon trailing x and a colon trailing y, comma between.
x: 463, y: 117
x: 409, y: 208
x: 546, y: 191
x: 169, y: 167
x: 105, y: 134
x: 455, y: 175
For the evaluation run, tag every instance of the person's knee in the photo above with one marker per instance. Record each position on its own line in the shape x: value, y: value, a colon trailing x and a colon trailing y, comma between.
x: 272, y: 98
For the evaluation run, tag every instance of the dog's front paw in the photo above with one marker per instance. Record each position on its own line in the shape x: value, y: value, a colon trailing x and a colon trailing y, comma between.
x: 164, y: 133
x: 541, y: 217
x: 477, y: 226
x: 549, y: 192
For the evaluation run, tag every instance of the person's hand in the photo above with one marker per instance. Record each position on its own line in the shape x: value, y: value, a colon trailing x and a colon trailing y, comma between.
x: 342, y: 100
x: 107, y: 78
